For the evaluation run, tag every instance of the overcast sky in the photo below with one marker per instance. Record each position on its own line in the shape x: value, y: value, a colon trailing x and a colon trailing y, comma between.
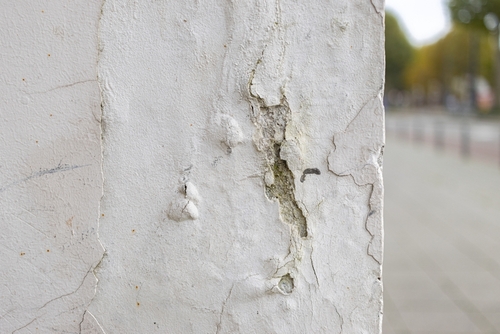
x: 425, y: 21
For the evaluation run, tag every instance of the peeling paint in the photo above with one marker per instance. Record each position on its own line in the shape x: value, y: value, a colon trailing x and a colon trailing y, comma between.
x: 178, y: 148
x: 360, y: 158
x: 378, y: 5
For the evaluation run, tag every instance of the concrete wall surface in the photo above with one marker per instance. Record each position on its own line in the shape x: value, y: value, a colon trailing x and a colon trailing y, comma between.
x: 191, y: 166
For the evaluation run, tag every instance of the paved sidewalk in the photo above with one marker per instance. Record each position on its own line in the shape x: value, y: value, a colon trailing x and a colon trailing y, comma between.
x: 467, y: 136
x: 442, y: 242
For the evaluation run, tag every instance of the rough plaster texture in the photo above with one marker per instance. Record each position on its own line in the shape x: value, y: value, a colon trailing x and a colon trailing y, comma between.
x: 50, y: 164
x: 241, y: 158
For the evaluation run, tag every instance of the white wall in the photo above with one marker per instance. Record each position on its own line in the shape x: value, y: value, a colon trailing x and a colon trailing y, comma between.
x: 50, y: 164
x: 241, y: 158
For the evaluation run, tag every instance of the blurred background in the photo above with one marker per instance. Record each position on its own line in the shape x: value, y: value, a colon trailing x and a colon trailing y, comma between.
x: 442, y: 167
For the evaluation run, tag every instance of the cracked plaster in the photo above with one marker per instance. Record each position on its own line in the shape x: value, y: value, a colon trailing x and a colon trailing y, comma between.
x: 193, y: 99
x: 50, y: 171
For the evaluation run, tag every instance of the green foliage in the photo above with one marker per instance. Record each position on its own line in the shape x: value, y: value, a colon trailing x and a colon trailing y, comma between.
x: 472, y: 12
x: 444, y: 66
x: 399, y: 53
x: 449, y: 58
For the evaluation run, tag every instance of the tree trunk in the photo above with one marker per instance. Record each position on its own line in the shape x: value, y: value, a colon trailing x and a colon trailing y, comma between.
x: 496, y: 58
x: 473, y: 69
